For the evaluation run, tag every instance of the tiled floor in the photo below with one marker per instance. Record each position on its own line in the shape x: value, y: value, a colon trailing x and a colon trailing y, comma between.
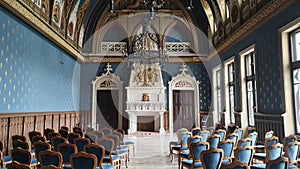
x: 151, y: 151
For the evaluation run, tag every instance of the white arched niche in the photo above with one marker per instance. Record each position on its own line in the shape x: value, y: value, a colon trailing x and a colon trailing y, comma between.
x: 107, y: 81
x: 183, y: 81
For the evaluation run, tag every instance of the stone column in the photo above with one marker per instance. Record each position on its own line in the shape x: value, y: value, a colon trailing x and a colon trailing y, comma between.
x: 161, y: 130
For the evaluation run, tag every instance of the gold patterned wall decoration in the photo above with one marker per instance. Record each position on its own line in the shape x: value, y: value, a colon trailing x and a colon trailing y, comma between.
x: 209, y: 14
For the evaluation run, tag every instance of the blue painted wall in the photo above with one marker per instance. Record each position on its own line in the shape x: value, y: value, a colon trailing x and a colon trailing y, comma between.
x: 89, y: 72
x: 269, y: 81
x: 35, y: 75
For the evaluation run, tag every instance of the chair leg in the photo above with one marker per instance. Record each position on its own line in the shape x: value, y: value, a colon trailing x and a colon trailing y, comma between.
x: 179, y: 161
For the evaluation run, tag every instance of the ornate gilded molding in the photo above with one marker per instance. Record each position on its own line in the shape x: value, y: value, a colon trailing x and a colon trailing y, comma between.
x: 41, y: 26
x: 251, y: 25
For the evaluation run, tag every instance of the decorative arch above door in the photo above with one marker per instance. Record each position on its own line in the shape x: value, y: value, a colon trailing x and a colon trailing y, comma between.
x: 107, y: 100
x: 183, y: 101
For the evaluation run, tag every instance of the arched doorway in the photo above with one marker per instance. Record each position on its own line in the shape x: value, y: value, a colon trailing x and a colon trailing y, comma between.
x: 183, y: 101
x: 107, y: 101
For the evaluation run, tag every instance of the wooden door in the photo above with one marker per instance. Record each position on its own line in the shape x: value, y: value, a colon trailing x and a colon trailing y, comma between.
x: 183, y: 109
x: 107, y: 111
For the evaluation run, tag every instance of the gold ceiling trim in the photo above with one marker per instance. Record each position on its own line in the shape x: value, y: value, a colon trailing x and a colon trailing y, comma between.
x: 19, y: 9
x: 251, y: 25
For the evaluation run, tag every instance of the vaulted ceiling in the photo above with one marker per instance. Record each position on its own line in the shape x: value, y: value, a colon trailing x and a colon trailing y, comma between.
x: 76, y: 21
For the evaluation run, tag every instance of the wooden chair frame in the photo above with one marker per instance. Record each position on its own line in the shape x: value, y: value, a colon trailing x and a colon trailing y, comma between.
x: 49, y: 153
x: 212, y: 150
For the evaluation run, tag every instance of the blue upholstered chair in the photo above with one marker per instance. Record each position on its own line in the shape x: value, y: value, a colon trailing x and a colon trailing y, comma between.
x: 66, y: 150
x: 126, y: 143
x: 211, y: 130
x: 99, y: 152
x: 204, y: 134
x: 212, y: 158
x: 268, y: 142
x: 261, y: 148
x: 108, y: 144
x: 38, y: 138
x: 31, y: 134
x: 239, y: 132
x: 63, y: 132
x: 72, y: 136
x: 245, y: 142
x: 234, y: 137
x: 49, y: 157
x: 291, y: 151
x: 39, y: 147
x: 46, y: 133
x: 22, y: 144
x: 272, y: 153
x: 214, y: 140
x: 279, y: 163
x: 227, y: 146
x: 122, y: 153
x: 23, y: 156
x: 195, y: 152
x: 56, y: 141
x: 18, y: 137
x: 175, y: 145
x: 253, y: 137
x: 81, y: 142
x: 183, y: 146
x: 106, y: 131
x: 91, y: 136
x: 244, y: 154
x: 52, y: 135
x: 186, y: 154
x: 221, y: 133
x: 17, y: 165
x: 195, y: 131
x: 83, y: 160
x: 288, y: 139
x: 236, y: 165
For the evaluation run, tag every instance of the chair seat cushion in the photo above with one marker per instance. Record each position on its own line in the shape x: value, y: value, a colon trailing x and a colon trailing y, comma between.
x: 292, y: 166
x: 225, y: 162
x: 107, y: 166
x: 258, y: 166
x: 259, y: 155
x: 124, y: 147
x: 6, y: 159
x: 67, y: 166
x: 189, y: 163
x: 128, y: 142
x: 106, y: 159
x: 121, y: 151
x: 185, y: 154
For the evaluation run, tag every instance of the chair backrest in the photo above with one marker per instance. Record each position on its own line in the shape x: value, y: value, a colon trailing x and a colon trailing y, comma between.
x: 179, y: 132
x: 271, y: 141
x: 234, y: 137
x: 48, y: 157
x: 47, y: 131
x: 193, y: 139
x: 20, y: 144
x: 195, y: 131
x: 250, y: 130
x: 81, y: 142
x: 91, y: 136
x: 75, y: 128
x: 97, y: 150
x: 236, y: 165
x: 227, y: 146
x: 99, y: 134
x: 39, y: 147
x: 115, y: 138
x: 17, y: 165
x: 214, y: 140
x: 31, y: 134
x: 269, y: 134
x: 245, y: 142
x: 21, y: 155
x: 253, y: 137
x: 196, y: 150
x: 211, y: 130
x: 83, y: 160
x: 108, y: 144
x: 64, y: 133
x: 122, y: 132
x: 244, y: 154
x: 279, y: 163
x: 204, y: 134
x: 72, y: 136
x: 18, y: 138
x: 184, y: 140
x: 38, y: 138
x: 56, y: 141
x: 288, y: 139
x: 274, y: 151
x: 212, y: 158
x: 291, y: 151
x: 51, y: 135
x: 66, y: 150
x: 64, y: 128
x: 106, y: 131
x: 239, y: 132
x: 221, y: 133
